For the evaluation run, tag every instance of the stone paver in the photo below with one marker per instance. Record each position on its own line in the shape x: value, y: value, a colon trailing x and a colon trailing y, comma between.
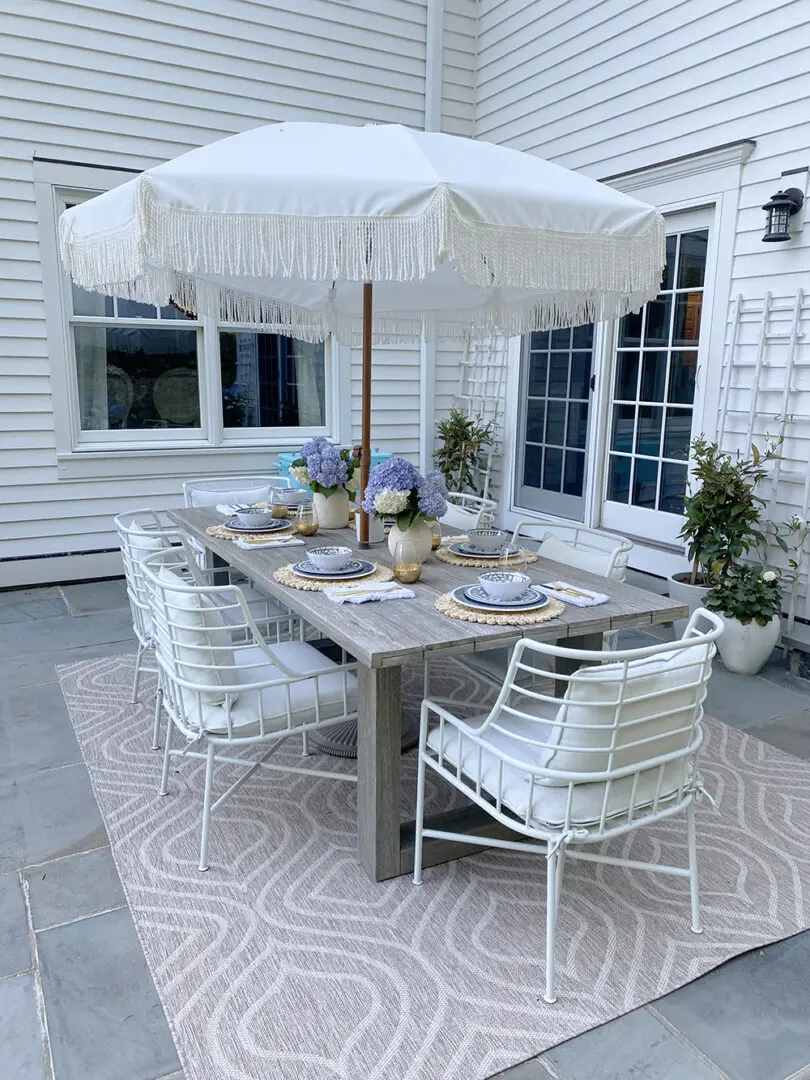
x: 15, y: 955
x: 35, y: 732
x: 89, y: 597
x: 22, y: 1050
x: 29, y: 610
x: 73, y: 888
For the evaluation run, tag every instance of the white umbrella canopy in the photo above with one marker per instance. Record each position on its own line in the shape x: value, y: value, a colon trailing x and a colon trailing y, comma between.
x: 291, y: 226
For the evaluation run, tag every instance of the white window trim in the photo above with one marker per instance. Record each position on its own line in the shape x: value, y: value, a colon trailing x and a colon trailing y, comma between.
x: 89, y: 453
x: 709, y: 179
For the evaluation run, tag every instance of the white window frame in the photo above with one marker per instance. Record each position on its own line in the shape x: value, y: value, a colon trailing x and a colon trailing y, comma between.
x: 55, y: 183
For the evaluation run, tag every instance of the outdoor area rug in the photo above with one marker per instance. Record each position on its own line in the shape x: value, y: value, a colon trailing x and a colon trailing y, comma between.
x: 284, y: 962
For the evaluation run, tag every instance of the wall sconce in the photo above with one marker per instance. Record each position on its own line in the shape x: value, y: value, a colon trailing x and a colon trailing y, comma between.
x: 781, y: 207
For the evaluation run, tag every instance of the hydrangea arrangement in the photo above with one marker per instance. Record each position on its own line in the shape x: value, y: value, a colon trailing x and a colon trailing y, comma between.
x: 396, y: 489
x: 325, y: 469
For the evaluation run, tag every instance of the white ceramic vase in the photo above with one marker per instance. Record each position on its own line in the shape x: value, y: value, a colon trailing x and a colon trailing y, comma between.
x: 420, y: 534
x: 745, y: 647
x: 691, y: 596
x: 332, y: 511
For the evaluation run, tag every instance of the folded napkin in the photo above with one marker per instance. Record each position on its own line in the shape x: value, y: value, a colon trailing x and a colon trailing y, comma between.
x: 454, y: 540
x: 250, y: 545
x: 574, y: 594
x: 360, y: 594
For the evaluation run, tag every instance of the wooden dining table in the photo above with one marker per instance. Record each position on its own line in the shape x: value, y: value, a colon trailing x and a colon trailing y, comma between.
x: 382, y: 637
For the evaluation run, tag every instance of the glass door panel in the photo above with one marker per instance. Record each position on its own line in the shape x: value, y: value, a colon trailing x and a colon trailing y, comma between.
x: 556, y: 383
x: 653, y: 391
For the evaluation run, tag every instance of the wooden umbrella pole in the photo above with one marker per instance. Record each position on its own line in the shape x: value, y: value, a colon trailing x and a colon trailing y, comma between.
x: 365, y: 411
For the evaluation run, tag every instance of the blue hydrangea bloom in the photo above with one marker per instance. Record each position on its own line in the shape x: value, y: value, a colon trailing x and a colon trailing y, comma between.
x: 314, y: 446
x: 432, y: 495
x: 326, y: 467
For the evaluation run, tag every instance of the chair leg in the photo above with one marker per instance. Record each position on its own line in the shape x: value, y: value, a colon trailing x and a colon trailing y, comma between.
x: 552, y: 894
x: 167, y: 750
x: 420, y: 811
x: 137, y: 677
x: 305, y: 744
x: 156, y: 724
x: 206, y: 814
x: 693, y: 868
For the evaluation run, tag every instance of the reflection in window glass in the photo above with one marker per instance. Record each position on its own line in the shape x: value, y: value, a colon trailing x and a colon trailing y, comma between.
x: 552, y: 470
x: 271, y: 381
x: 688, y: 308
x: 619, y: 478
x: 131, y: 378
x: 532, y: 466
x: 692, y: 264
x: 673, y: 487
x: 645, y: 483
x: 626, y: 376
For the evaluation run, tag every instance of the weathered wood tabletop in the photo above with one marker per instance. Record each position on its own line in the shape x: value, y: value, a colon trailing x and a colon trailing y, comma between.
x: 384, y: 636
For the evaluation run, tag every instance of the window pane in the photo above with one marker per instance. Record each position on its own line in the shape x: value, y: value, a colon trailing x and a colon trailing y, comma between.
x: 645, y: 483
x: 653, y: 376
x: 687, y: 319
x: 574, y: 480
x: 624, y: 421
x: 626, y: 376
x: 561, y: 339
x: 583, y: 337
x: 630, y: 331
x: 552, y: 471
x: 678, y: 433
x: 669, y: 269
x: 648, y: 430
x: 619, y: 479
x: 692, y: 266
x: 538, y: 372
x: 682, y: 371
x: 535, y: 418
x: 532, y: 466
x: 131, y: 309
x: 580, y: 374
x: 577, y: 424
x: 558, y: 375
x: 540, y: 339
x: 555, y: 422
x: 172, y: 312
x: 131, y: 379
x: 658, y: 313
x: 271, y: 381
x: 673, y: 487
x: 92, y: 303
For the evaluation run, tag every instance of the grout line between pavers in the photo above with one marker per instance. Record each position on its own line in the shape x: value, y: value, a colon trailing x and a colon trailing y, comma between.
x: 16, y: 974
x: 61, y: 858
x: 43, y: 1016
x: 687, y: 1042
x: 81, y: 918
x: 801, y: 1074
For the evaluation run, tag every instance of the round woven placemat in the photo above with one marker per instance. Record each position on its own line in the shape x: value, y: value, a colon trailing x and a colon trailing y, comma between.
x: 448, y: 606
x: 286, y: 576
x: 447, y: 556
x: 221, y: 532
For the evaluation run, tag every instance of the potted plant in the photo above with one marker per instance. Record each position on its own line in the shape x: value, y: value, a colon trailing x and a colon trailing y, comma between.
x: 748, y: 598
x: 396, y: 489
x: 722, y: 512
x: 330, y: 474
x: 462, y: 456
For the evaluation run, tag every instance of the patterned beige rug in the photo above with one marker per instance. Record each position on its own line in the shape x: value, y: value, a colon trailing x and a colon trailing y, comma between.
x: 284, y: 962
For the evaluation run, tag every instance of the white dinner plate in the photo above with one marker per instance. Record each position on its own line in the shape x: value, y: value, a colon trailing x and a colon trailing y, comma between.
x: 357, y: 568
x: 469, y: 551
x: 274, y: 526
x: 460, y: 596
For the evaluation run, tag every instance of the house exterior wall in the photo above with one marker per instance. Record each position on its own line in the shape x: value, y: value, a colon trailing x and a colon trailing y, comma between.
x: 612, y: 89
x: 128, y: 88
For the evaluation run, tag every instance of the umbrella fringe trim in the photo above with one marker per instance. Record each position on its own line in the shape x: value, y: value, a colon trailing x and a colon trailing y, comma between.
x: 362, y: 249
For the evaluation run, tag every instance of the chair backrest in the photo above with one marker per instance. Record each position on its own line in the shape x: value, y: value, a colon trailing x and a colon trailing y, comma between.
x: 141, y: 533
x: 208, y: 491
x: 632, y: 717
x: 465, y: 511
x: 594, y: 550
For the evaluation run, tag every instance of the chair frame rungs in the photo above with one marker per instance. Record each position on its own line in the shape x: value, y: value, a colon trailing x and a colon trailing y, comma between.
x: 485, y: 841
x: 632, y: 864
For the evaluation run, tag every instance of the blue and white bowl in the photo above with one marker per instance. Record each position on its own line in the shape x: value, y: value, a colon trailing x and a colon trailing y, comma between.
x: 254, y: 517
x: 488, y: 540
x: 330, y: 559
x: 504, y: 584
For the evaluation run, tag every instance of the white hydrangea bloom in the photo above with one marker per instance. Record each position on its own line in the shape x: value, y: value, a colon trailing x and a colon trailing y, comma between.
x: 299, y: 474
x: 390, y: 501
x: 769, y: 575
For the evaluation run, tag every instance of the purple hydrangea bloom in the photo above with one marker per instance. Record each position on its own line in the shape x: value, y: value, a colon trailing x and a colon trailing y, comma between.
x: 314, y: 446
x: 395, y: 474
x: 432, y: 495
x: 326, y: 467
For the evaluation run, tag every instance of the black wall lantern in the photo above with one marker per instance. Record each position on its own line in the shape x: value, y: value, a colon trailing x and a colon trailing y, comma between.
x: 781, y: 207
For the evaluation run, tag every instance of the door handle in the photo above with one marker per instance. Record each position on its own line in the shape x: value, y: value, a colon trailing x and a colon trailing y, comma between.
x: 592, y: 382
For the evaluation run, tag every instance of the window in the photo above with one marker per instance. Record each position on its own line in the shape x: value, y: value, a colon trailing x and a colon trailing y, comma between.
x: 140, y: 377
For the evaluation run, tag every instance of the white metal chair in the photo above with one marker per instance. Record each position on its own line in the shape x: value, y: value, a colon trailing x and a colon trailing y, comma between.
x: 226, y: 687
x: 210, y: 490
x: 616, y: 753
x: 576, y: 545
x: 466, y: 511
x: 143, y: 532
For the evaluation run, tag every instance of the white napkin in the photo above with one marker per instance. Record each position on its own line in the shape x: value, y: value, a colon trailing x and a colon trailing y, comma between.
x: 246, y: 545
x: 574, y: 594
x: 454, y: 540
x: 360, y: 594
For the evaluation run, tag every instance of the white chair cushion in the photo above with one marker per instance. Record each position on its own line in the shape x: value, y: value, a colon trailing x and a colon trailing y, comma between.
x: 595, y: 562
x: 201, y: 497
x: 203, y: 639
x: 141, y: 546
x: 296, y: 656
x: 459, y: 517
x: 548, y: 804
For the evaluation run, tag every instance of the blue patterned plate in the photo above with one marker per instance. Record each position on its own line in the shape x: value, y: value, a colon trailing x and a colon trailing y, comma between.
x: 470, y: 551
x: 531, y: 600
x: 357, y: 568
x: 274, y: 526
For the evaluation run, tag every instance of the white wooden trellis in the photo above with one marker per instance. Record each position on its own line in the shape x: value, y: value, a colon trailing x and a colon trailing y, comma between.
x: 764, y: 394
x: 482, y: 378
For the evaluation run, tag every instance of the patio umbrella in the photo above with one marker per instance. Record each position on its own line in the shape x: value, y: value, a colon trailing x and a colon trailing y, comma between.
x: 372, y: 234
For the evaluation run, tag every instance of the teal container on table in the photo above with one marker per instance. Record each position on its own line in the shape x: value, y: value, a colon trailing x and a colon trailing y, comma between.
x: 285, y: 461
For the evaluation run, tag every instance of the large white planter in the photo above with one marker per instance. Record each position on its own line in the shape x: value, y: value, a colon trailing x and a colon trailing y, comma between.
x: 420, y: 535
x: 332, y: 511
x: 745, y: 647
x: 691, y: 596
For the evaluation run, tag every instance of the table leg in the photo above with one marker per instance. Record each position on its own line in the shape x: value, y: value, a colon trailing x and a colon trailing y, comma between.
x: 565, y: 665
x: 378, y: 769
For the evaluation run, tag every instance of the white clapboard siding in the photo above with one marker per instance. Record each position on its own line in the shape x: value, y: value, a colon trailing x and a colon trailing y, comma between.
x: 458, y: 83
x: 394, y: 402
x: 127, y: 86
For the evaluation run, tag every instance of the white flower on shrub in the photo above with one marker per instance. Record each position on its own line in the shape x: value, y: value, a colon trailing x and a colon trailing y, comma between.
x: 390, y: 501
x: 769, y: 575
